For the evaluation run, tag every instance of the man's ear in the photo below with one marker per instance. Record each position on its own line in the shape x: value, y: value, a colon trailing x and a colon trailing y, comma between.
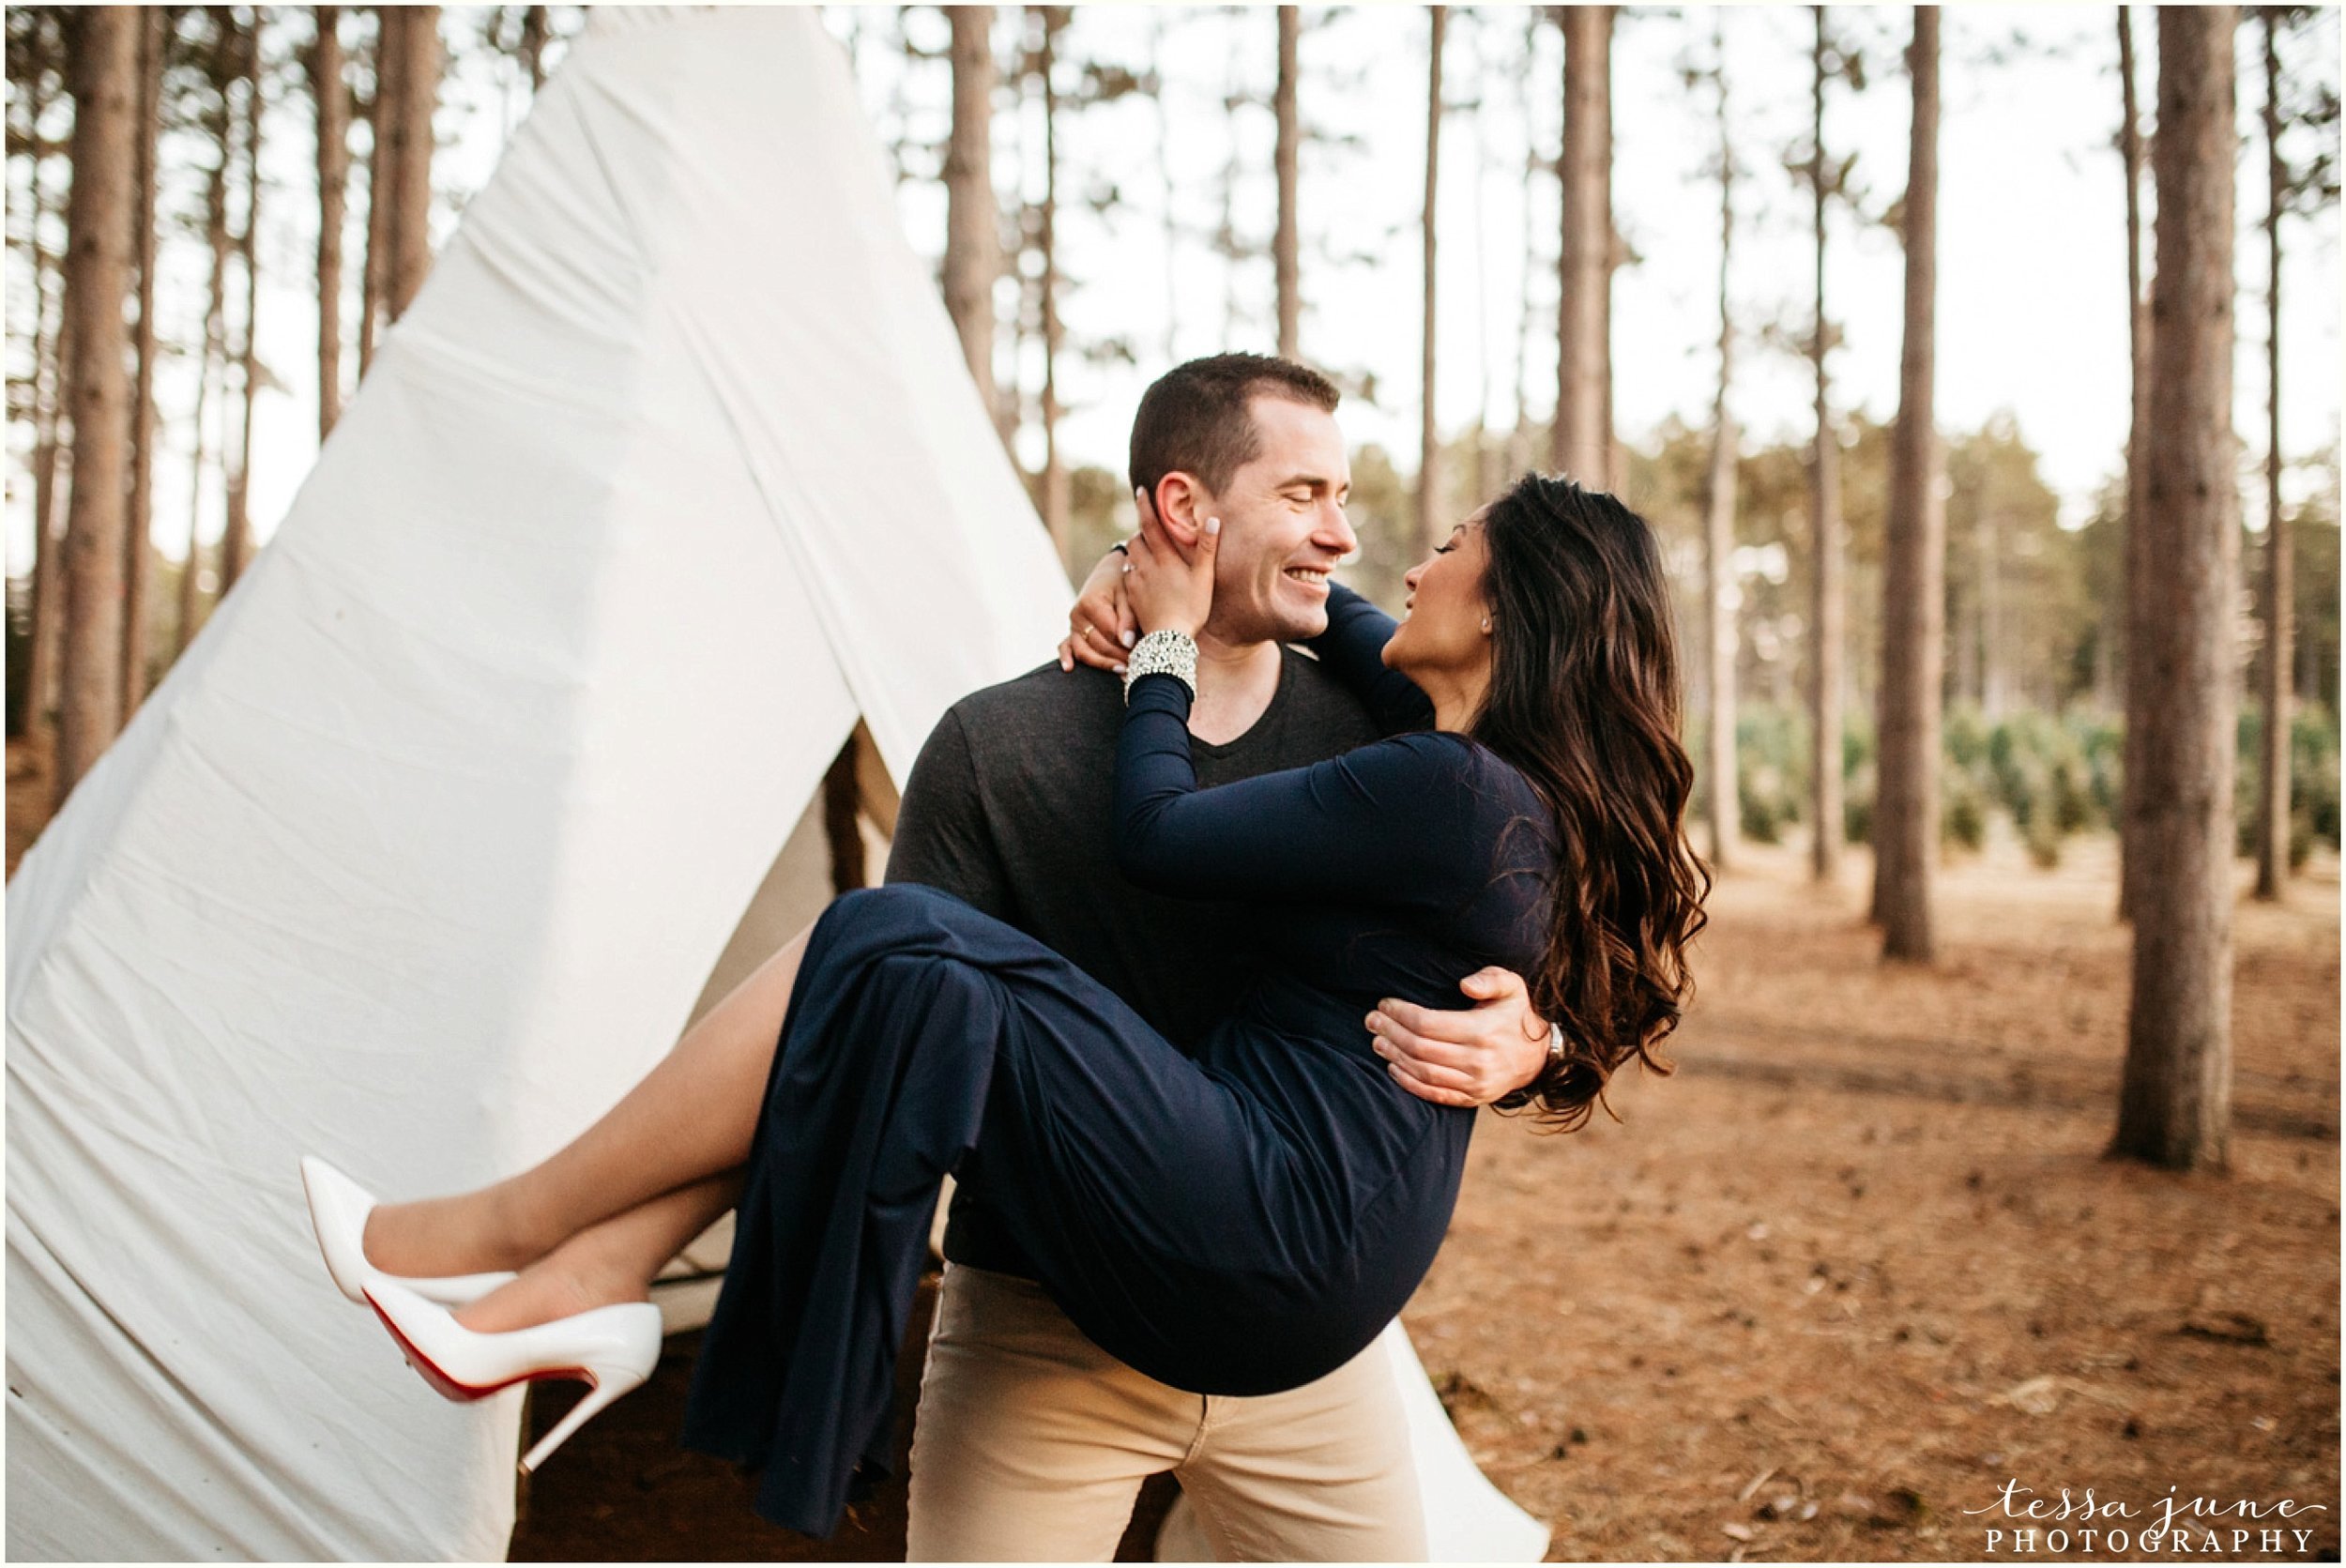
x: 1182, y: 504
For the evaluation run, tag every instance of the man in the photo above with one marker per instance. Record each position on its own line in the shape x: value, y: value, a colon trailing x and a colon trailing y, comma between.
x: 1030, y: 1442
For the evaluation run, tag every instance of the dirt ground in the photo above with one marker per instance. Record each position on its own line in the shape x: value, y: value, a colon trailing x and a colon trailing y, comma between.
x: 1827, y: 1292
x: 1861, y: 1263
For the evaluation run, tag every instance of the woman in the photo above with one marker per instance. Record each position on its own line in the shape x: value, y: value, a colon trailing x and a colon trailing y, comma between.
x: 1239, y: 1222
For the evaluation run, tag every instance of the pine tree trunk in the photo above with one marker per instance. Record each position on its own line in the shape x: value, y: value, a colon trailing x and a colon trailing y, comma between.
x: 1282, y: 243
x: 1988, y: 539
x: 2134, y: 597
x: 1718, y: 534
x: 1025, y: 319
x: 382, y: 178
x: 2176, y: 1105
x: 1227, y: 238
x: 535, y: 31
x: 1582, y: 440
x: 50, y: 392
x: 2309, y: 684
x: 103, y: 48
x: 1914, y: 597
x: 1719, y: 596
x: 51, y: 457
x: 236, y: 543
x: 138, y: 555
x: 213, y: 368
x: 332, y: 101
x: 1828, y: 602
x: 1519, y: 438
x: 1172, y: 235
x: 1056, y: 501
x: 1429, y: 528
x: 972, y: 219
x: 2273, y: 666
x: 418, y: 81
x: 1487, y: 454
x: 1616, y: 256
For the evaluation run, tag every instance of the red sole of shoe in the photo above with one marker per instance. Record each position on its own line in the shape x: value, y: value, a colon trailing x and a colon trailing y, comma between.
x: 461, y: 1393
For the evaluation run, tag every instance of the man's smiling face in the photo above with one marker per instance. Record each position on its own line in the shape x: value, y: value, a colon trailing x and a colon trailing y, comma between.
x: 1283, y: 526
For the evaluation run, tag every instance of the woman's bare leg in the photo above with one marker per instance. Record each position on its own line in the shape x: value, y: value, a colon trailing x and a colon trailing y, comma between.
x: 615, y: 1260
x: 691, y: 1118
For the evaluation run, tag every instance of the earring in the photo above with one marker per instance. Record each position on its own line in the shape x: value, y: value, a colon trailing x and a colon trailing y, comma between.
x: 1486, y: 623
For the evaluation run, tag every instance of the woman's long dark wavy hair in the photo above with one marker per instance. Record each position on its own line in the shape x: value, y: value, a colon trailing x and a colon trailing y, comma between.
x: 1584, y: 699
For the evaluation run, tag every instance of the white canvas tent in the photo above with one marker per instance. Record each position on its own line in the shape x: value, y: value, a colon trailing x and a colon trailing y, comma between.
x: 422, y: 853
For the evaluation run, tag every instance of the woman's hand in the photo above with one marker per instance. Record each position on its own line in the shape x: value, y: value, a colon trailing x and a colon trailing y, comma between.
x: 1167, y: 590
x: 1100, y: 629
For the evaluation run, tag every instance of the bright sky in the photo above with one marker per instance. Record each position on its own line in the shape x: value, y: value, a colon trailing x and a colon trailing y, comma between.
x: 2032, y: 314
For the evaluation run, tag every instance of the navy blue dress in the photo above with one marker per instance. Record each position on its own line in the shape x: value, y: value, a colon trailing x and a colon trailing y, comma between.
x: 1237, y: 1222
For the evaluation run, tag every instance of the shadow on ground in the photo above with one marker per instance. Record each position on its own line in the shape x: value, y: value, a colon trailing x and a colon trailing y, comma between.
x: 621, y: 1490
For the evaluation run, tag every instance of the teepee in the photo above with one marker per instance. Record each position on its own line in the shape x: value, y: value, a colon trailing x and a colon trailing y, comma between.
x: 422, y: 853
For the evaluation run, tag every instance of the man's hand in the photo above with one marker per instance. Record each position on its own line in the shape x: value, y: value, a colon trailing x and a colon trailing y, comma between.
x: 1101, y: 626
x: 1472, y: 1058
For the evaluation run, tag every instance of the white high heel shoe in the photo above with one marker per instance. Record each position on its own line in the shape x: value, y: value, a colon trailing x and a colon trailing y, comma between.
x: 612, y: 1348
x: 338, y: 1212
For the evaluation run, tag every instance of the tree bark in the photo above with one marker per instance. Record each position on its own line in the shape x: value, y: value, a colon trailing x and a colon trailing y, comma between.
x: 1828, y: 599
x: 535, y: 31
x: 1582, y: 440
x: 103, y: 52
x: 1519, y: 439
x: 1488, y: 455
x: 1429, y: 528
x: 1914, y: 608
x: 51, y: 391
x: 973, y: 235
x: 235, y: 543
x: 1718, y: 534
x: 2175, y: 1104
x: 1616, y: 256
x: 2134, y: 610
x: 332, y: 101
x: 1988, y: 540
x: 137, y: 554
x: 382, y: 177
x: 1172, y: 234
x: 2273, y: 666
x: 1283, y: 244
x: 1056, y: 501
x: 2310, y: 686
x: 214, y: 352
x: 419, y: 94
x: 1234, y: 250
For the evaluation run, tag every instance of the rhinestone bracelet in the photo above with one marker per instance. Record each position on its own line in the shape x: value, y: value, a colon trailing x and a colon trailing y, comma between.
x: 1170, y: 653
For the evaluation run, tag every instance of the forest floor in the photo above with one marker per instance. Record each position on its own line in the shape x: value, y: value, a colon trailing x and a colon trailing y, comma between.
x: 1828, y: 1291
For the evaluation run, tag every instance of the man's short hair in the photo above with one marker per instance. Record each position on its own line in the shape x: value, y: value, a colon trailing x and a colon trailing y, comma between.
x: 1196, y: 419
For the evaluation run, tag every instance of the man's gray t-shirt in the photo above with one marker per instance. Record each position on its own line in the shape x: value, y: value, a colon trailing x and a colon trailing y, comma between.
x: 1009, y: 809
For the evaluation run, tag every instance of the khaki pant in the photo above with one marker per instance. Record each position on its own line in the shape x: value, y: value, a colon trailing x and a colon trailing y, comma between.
x: 1031, y: 1443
